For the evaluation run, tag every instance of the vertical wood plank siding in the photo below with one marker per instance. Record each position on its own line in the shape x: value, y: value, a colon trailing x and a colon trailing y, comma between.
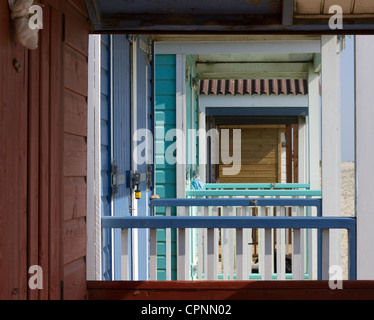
x: 165, y: 119
x: 43, y: 115
x: 13, y: 162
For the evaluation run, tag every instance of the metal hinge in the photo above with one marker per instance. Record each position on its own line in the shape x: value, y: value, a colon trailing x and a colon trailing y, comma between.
x: 117, y: 179
x: 149, y: 177
x: 134, y: 179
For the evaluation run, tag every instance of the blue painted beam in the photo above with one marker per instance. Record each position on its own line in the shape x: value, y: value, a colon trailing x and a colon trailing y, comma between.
x: 236, y: 202
x: 229, y: 222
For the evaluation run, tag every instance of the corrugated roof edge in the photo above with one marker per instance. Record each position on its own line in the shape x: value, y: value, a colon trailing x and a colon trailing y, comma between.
x: 254, y: 86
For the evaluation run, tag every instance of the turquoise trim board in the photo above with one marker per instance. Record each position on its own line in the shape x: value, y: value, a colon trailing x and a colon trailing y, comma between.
x: 165, y: 181
x: 218, y: 186
x: 257, y: 193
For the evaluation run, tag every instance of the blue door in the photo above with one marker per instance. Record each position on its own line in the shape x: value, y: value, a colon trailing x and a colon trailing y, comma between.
x: 121, y: 140
x: 144, y: 168
x: 117, y: 161
x: 115, y: 146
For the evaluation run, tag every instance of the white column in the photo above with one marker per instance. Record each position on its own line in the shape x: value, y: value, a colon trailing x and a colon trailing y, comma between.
x: 331, y: 141
x: 364, y: 48
x: 314, y: 160
x: 181, y: 124
x: 134, y: 166
x: 93, y: 162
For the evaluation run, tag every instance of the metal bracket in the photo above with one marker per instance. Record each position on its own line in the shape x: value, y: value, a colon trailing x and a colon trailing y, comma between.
x: 117, y: 179
x: 134, y: 179
x: 149, y: 177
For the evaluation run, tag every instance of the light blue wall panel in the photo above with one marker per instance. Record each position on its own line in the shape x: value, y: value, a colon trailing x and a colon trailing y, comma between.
x: 121, y: 136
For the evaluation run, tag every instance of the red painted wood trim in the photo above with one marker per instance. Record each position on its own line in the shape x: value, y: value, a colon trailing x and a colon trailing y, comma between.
x: 44, y: 152
x: 33, y: 166
x: 56, y: 155
x: 228, y: 290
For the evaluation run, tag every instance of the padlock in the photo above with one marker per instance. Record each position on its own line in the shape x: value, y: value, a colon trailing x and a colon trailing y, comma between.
x: 138, y: 194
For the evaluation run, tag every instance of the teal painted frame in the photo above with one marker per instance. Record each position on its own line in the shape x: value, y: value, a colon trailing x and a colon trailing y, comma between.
x: 165, y: 174
x: 254, y: 193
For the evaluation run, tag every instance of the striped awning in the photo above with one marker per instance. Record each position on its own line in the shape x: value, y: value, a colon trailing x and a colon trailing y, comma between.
x: 254, y: 86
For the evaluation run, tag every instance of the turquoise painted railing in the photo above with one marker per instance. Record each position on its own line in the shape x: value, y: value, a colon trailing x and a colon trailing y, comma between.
x: 255, y: 190
x: 253, y: 193
x: 257, y: 186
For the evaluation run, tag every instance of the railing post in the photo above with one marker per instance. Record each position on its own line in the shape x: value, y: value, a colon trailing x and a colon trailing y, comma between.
x: 240, y: 257
x: 153, y: 254
x: 281, y: 239
x: 225, y: 247
x: 201, y: 263
x: 168, y: 247
x: 183, y: 250
x: 325, y: 263
x: 268, y: 255
x: 247, y: 254
x: 211, y: 272
x: 297, y: 270
x: 125, y: 254
x: 182, y: 257
x: 352, y: 249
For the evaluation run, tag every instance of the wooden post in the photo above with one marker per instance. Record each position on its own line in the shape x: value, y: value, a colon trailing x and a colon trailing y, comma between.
x: 364, y: 69
x: 331, y: 153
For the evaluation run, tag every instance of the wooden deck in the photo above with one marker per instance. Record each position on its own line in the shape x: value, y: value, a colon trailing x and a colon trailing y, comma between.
x: 228, y: 290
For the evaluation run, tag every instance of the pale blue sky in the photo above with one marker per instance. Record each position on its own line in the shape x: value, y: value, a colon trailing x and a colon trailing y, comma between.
x: 347, y: 100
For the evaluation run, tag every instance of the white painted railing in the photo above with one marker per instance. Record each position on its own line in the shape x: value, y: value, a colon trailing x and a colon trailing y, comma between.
x: 228, y: 255
x: 281, y: 250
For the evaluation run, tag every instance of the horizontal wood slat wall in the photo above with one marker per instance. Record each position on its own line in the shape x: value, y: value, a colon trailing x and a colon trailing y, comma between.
x: 75, y: 90
x: 260, y: 154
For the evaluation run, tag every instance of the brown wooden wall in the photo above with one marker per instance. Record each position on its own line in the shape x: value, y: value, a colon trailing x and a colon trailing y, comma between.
x: 13, y: 162
x: 75, y: 86
x: 261, y: 149
x: 43, y: 121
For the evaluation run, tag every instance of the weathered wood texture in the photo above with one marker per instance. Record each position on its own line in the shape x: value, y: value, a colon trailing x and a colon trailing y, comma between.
x: 229, y: 290
x: 42, y: 214
x: 75, y: 90
x: 260, y: 155
x: 13, y: 162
